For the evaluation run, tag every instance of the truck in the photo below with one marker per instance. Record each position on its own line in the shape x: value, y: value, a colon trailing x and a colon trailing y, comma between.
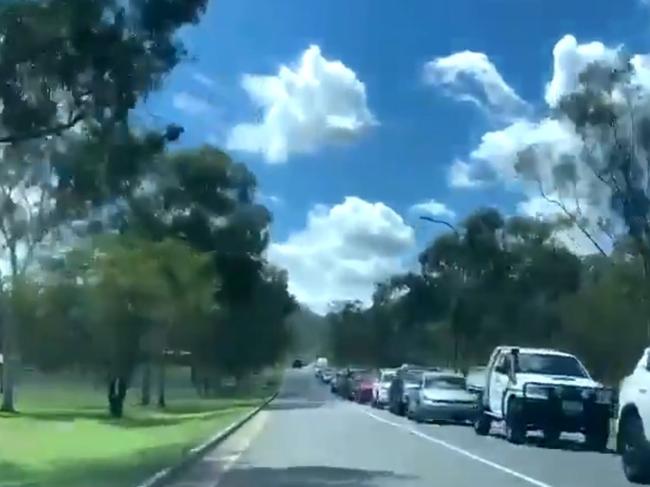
x: 543, y: 389
x: 633, y: 423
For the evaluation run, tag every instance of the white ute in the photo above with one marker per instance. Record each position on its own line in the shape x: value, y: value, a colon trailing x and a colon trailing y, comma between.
x: 542, y: 389
x: 633, y: 427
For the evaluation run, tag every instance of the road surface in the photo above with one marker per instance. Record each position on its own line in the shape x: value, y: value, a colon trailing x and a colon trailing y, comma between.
x: 308, y: 438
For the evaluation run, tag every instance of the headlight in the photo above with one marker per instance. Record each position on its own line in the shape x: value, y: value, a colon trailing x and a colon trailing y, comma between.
x: 603, y: 396
x: 537, y: 392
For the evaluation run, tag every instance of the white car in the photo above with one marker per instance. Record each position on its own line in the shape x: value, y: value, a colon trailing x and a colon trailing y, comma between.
x: 633, y: 426
x: 543, y: 389
x: 381, y: 386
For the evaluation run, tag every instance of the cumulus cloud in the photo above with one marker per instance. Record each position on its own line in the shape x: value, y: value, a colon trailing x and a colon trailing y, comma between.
x: 203, y: 79
x: 569, y: 60
x: 315, y: 103
x: 433, y: 208
x: 471, y: 76
x: 461, y: 174
x: 342, y: 251
x: 190, y: 104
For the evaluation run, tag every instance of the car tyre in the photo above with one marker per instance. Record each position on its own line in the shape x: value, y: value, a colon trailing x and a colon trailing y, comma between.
x: 482, y: 424
x: 596, y: 438
x: 551, y: 436
x: 634, y: 448
x: 515, y: 427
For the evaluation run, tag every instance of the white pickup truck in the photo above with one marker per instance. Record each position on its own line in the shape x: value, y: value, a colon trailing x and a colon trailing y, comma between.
x: 633, y: 426
x: 542, y: 389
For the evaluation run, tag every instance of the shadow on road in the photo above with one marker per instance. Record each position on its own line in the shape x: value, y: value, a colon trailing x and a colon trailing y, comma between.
x: 288, y: 404
x: 572, y: 445
x: 309, y: 477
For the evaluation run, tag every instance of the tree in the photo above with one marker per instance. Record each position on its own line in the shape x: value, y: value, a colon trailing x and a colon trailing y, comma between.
x: 70, y: 69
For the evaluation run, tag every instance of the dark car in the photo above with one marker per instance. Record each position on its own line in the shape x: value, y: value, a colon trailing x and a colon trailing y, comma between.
x: 362, y: 385
x: 297, y: 364
x: 337, y: 380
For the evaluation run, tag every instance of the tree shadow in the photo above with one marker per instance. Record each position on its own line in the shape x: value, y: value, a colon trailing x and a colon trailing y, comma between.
x: 289, y: 404
x: 317, y: 476
x: 10, y: 472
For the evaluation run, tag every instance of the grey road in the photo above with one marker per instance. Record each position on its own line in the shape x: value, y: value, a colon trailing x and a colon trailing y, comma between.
x: 308, y: 438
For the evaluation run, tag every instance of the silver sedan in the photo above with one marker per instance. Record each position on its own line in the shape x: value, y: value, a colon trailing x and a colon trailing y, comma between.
x: 442, y: 396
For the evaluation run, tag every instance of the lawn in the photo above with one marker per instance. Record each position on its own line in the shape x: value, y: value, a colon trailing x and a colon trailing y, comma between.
x: 63, y: 437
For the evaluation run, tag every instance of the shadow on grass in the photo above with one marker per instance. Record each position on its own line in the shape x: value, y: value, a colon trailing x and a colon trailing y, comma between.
x: 317, y: 476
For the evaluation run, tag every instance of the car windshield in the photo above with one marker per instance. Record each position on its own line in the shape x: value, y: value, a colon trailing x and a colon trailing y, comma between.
x: 444, y: 382
x: 547, y: 364
x: 387, y: 377
x: 413, y: 377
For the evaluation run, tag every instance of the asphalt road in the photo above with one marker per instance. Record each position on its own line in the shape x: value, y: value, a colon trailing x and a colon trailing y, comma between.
x: 308, y: 438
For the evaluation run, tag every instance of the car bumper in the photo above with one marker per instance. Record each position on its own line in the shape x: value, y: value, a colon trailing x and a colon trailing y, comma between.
x: 382, y: 398
x: 540, y: 413
x: 446, y: 412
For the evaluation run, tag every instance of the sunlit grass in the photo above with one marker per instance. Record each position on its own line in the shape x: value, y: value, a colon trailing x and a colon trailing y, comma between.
x: 63, y: 436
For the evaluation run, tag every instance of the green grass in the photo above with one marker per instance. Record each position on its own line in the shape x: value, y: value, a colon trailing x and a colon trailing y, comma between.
x: 63, y: 436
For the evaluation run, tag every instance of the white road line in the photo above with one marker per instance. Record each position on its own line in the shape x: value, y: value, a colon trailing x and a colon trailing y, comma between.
x: 458, y: 450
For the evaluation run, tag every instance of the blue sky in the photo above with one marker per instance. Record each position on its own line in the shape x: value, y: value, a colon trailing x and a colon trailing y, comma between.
x: 413, y: 130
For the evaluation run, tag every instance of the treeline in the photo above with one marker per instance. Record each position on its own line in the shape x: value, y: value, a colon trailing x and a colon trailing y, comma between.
x: 501, y: 281
x: 496, y: 280
x: 121, y: 251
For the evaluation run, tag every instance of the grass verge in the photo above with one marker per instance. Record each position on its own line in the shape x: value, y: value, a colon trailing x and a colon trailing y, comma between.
x: 63, y: 437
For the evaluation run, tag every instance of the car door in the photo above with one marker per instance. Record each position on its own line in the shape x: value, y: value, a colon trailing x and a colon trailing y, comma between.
x: 499, y: 383
x: 642, y: 386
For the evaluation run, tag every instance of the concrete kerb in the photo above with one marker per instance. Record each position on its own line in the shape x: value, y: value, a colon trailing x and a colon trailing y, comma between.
x: 165, y: 475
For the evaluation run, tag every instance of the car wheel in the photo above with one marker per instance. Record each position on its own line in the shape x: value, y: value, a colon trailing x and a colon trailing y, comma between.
x: 551, y: 436
x: 635, y: 453
x: 482, y: 424
x: 596, y: 438
x: 515, y: 427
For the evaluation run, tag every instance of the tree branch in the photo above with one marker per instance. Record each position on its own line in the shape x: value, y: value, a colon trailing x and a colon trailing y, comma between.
x: 441, y: 222
x: 572, y: 217
x: 43, y: 131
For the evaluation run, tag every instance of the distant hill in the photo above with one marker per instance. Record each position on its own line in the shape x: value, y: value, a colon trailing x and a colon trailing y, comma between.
x: 310, y: 333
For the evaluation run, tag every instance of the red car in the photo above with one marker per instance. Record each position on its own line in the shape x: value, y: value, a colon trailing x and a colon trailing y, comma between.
x: 362, y: 387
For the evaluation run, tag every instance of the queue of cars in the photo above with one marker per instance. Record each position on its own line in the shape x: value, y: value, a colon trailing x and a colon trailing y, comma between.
x: 522, y: 388
x: 420, y: 393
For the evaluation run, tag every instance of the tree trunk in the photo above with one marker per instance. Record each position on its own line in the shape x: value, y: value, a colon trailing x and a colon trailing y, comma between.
x: 146, y: 384
x: 116, y: 395
x: 161, y: 384
x: 8, y: 367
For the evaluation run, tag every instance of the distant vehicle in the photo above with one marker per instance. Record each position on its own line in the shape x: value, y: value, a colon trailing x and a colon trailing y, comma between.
x: 362, y: 384
x: 380, y: 387
x: 406, y: 378
x: 327, y: 375
x: 321, y: 363
x: 633, y: 427
x: 298, y: 364
x: 442, y: 396
x: 542, y: 389
x: 337, y: 380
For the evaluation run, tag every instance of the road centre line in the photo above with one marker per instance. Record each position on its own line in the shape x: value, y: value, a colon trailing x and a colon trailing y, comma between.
x: 458, y: 450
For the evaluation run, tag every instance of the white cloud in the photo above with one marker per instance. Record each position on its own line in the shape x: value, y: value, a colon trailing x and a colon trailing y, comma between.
x: 569, y: 60
x: 271, y: 199
x: 461, y: 175
x: 434, y: 208
x: 471, y: 76
x: 190, y: 104
x: 342, y: 251
x: 203, y: 79
x: 315, y: 103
